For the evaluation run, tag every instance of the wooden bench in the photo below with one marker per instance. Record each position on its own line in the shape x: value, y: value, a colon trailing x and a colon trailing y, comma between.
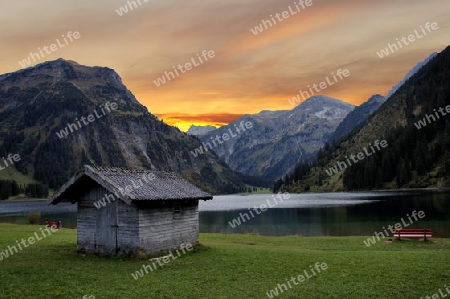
x: 413, y: 233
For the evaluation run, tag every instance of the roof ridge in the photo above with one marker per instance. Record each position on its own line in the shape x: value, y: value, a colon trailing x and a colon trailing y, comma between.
x: 133, y: 184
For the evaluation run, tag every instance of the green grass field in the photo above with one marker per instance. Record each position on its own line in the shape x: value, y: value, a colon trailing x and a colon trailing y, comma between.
x: 227, y: 266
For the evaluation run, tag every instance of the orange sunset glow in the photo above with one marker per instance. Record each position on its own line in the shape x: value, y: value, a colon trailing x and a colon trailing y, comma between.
x: 248, y: 72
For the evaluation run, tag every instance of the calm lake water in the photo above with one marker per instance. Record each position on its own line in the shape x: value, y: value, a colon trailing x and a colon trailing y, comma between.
x: 320, y: 214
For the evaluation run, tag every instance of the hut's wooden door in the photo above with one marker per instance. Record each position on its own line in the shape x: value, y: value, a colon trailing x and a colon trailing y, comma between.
x: 106, y: 230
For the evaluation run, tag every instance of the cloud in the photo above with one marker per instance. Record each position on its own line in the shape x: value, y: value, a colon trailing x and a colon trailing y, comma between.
x: 218, y: 118
x: 250, y: 72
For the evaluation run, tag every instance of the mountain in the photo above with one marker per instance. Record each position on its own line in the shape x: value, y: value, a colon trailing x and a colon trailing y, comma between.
x: 60, y: 115
x: 363, y: 111
x: 410, y: 74
x: 270, y: 143
x: 414, y: 126
x: 200, y: 130
x: 357, y: 116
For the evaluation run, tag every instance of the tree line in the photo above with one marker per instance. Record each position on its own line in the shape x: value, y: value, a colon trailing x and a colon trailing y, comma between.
x: 11, y: 188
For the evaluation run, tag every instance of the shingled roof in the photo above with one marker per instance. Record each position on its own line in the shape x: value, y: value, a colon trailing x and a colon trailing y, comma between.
x: 130, y: 185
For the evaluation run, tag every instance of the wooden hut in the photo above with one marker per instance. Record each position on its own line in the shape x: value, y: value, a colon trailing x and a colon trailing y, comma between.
x: 123, y: 211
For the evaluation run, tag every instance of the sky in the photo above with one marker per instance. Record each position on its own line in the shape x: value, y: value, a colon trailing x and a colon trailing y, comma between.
x: 240, y: 72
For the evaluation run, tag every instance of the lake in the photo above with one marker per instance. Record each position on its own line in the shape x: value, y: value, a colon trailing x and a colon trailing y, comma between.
x: 315, y: 214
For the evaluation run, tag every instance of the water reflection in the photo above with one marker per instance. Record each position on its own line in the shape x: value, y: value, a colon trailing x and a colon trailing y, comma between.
x: 363, y: 218
x: 334, y: 214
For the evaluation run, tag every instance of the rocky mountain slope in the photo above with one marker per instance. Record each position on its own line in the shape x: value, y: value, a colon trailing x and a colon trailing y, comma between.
x: 200, y: 130
x: 357, y: 116
x: 277, y: 140
x: 415, y: 124
x: 60, y: 115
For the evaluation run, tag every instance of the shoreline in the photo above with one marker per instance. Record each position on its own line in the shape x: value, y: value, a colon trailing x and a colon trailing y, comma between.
x: 23, y: 207
x: 431, y: 189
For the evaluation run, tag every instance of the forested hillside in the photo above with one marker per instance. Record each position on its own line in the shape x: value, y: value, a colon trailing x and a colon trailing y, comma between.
x: 43, y: 112
x: 415, y: 122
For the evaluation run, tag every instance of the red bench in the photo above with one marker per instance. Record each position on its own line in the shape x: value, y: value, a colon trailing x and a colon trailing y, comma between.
x: 413, y: 233
x: 53, y: 224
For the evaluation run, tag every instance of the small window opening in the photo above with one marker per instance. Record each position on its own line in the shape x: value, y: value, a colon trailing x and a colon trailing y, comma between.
x: 177, y: 212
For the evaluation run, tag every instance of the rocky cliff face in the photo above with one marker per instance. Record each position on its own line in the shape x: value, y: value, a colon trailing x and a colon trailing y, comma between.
x: 200, y: 130
x: 413, y: 125
x: 60, y: 115
x: 278, y: 140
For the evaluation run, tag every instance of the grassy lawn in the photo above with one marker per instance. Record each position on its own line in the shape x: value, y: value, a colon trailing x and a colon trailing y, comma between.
x: 227, y: 266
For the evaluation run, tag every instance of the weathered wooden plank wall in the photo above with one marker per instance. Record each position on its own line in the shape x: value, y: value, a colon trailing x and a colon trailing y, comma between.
x: 110, y: 229
x: 122, y: 228
x: 128, y: 230
x: 87, y: 220
x: 160, y: 231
